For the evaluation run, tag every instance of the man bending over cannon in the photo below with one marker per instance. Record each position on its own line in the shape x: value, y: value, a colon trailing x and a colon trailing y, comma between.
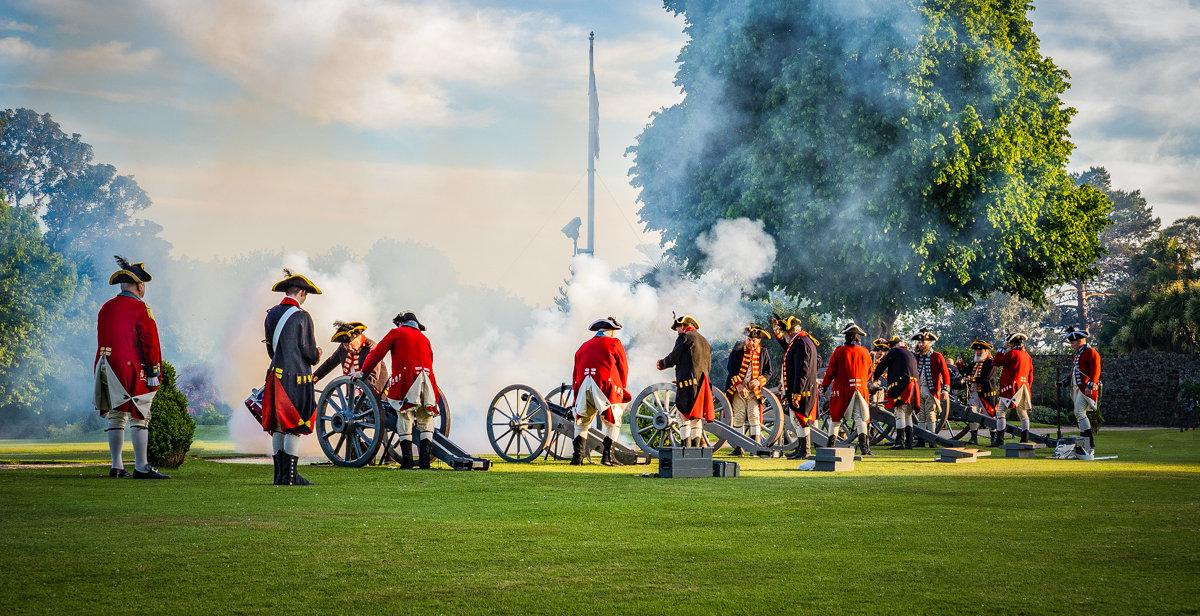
x: 846, y: 379
x: 798, y: 377
x: 127, y: 366
x: 903, y: 396
x: 599, y: 380
x: 934, y: 378
x: 1016, y: 379
x: 351, y: 354
x: 289, y: 400
x: 692, y: 359
x: 1085, y: 390
x: 748, y: 368
x: 981, y: 392
x: 412, y: 390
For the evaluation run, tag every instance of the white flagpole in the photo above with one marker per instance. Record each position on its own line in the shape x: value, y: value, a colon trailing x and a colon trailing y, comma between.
x: 593, y: 145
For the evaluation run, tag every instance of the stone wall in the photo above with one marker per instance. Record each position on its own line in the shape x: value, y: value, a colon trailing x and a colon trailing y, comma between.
x: 1140, y: 389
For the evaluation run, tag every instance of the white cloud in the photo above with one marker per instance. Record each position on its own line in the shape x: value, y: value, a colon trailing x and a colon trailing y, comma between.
x: 111, y: 57
x: 13, y: 25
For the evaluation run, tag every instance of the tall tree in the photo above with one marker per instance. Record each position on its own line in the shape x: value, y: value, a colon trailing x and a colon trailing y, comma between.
x: 36, y: 285
x: 903, y: 153
x: 1133, y: 223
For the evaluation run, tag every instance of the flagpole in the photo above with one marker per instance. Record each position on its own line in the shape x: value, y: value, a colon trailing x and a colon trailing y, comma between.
x: 593, y: 123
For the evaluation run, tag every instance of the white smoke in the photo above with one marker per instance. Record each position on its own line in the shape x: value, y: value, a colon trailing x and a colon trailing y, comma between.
x: 475, y: 357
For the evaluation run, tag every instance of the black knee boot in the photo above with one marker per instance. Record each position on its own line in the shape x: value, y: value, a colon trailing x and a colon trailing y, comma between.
x: 908, y: 437
x: 864, y: 446
x: 280, y: 466
x: 577, y: 454
x: 1024, y: 436
x: 833, y: 438
x: 974, y: 438
x: 291, y: 477
x: 898, y: 438
x: 608, y: 459
x: 406, y: 457
x: 425, y: 453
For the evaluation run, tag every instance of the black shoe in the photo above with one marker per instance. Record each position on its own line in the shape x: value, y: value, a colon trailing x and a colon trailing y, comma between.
x: 974, y: 438
x: 290, y: 476
x: 801, y: 450
x: 577, y: 455
x: 1024, y: 436
x: 149, y: 473
x: 280, y: 465
x: 406, y: 457
x: 117, y: 473
x: 737, y: 452
x: 425, y: 453
x: 864, y: 447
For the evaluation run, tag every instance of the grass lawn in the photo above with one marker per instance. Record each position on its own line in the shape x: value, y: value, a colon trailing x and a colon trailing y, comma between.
x: 901, y: 534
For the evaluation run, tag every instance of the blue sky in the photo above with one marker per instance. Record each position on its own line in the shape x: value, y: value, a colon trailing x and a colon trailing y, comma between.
x: 462, y: 125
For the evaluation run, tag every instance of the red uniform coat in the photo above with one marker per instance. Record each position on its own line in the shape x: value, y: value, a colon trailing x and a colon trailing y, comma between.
x: 127, y: 334
x: 1087, y: 371
x: 941, y: 373
x: 411, y: 355
x: 849, y: 370
x: 1017, y: 371
x: 603, y: 359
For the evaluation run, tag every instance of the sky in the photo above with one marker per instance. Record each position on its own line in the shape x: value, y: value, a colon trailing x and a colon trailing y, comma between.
x: 462, y: 125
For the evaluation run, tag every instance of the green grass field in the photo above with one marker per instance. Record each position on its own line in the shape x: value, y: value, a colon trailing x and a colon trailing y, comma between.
x: 901, y: 534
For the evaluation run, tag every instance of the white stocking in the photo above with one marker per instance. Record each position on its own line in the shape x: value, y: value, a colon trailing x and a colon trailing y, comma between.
x: 116, y: 441
x: 141, y: 443
x: 291, y: 444
x: 276, y: 442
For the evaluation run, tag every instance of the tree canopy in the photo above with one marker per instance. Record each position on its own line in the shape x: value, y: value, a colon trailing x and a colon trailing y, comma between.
x: 903, y: 153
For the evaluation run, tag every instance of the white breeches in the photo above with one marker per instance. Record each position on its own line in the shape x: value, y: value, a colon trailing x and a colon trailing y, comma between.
x: 1083, y: 404
x: 745, y: 410
x: 420, y: 416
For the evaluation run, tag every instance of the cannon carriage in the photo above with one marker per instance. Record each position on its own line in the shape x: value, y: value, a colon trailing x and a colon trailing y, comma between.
x: 654, y: 422
x: 523, y: 425
x: 354, y: 428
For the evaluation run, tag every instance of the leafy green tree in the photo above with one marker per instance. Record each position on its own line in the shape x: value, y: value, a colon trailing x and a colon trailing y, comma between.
x: 171, y: 426
x: 1187, y: 232
x: 36, y: 285
x: 902, y: 153
x: 1168, y: 321
x: 1165, y: 260
x: 1133, y: 224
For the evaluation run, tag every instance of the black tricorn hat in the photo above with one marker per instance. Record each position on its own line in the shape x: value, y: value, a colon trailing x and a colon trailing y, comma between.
x: 982, y: 345
x: 894, y: 341
x: 605, y: 323
x: 407, y: 316
x: 925, y: 334
x: 292, y: 279
x: 754, y: 330
x: 684, y: 321
x: 133, y: 273
x: 1075, y: 333
x: 345, y: 331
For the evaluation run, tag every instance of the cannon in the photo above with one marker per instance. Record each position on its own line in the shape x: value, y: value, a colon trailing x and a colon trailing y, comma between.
x: 654, y: 422
x: 354, y: 428
x: 522, y: 425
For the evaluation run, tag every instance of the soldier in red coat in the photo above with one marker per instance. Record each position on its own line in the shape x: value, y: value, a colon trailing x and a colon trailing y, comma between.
x: 599, y: 381
x: 1016, y: 379
x: 1085, y: 390
x: 289, y: 401
x: 412, y: 391
x: 933, y: 378
x: 845, y: 380
x: 127, y: 368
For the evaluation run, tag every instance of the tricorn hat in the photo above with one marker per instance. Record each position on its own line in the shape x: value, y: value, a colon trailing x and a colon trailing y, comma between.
x: 754, y: 330
x: 853, y: 328
x: 894, y: 341
x: 133, y: 273
x: 1075, y: 333
x: 684, y: 321
x: 1017, y: 338
x: 292, y: 279
x: 605, y: 323
x: 345, y: 331
x: 407, y: 315
x: 879, y: 344
x: 982, y: 345
x: 925, y: 334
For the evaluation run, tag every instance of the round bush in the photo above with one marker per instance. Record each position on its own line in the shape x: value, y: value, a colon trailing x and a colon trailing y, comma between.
x: 171, y: 427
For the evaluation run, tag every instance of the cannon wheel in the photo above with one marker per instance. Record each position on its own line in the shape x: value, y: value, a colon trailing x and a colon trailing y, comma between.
x: 518, y: 424
x: 349, y: 422
x: 772, y: 421
x: 391, y: 447
x: 654, y: 420
x: 560, y: 446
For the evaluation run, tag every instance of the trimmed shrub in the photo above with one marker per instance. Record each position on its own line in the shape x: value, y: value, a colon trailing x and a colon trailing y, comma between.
x: 171, y: 427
